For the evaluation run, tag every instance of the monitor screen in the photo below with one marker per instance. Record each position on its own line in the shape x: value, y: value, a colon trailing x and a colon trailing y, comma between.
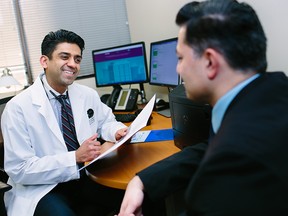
x: 120, y: 65
x: 163, y: 62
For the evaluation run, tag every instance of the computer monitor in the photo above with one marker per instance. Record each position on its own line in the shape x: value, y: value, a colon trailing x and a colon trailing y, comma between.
x: 163, y: 62
x: 121, y: 65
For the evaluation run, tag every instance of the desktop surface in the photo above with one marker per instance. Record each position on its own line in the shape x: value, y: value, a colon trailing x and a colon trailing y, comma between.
x: 121, y: 165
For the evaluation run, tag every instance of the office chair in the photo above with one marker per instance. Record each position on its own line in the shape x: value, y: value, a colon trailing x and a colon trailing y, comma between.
x: 3, y: 175
x: 3, y: 179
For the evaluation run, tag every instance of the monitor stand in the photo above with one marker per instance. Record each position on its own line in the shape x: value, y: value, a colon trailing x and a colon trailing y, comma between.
x: 142, y: 94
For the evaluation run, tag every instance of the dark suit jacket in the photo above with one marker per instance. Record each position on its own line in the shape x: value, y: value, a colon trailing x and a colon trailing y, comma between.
x: 244, y: 169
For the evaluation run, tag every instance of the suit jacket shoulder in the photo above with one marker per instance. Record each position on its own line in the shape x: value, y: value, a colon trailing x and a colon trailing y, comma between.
x: 244, y: 170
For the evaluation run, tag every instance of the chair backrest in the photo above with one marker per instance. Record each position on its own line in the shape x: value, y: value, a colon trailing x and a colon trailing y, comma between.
x: 3, y: 175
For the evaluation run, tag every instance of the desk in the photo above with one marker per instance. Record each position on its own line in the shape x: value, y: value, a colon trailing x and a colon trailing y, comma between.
x: 121, y: 165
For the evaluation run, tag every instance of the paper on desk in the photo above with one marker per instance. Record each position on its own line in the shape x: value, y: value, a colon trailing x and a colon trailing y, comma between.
x: 140, y: 136
x: 153, y: 135
x: 139, y: 122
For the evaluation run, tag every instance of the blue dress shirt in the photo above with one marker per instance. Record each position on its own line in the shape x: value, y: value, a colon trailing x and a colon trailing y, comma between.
x: 222, y: 104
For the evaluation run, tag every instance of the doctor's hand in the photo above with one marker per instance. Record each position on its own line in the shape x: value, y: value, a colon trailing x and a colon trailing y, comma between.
x: 120, y: 133
x: 88, y: 150
x: 133, y: 198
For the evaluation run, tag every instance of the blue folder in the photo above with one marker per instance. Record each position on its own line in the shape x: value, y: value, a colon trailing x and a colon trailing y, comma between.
x: 160, y: 135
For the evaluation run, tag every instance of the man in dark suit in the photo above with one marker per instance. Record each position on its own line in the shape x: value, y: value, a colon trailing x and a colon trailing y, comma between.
x: 244, y: 168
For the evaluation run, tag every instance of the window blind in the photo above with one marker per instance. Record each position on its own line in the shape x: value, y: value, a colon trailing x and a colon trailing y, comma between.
x: 10, y: 47
x: 100, y: 23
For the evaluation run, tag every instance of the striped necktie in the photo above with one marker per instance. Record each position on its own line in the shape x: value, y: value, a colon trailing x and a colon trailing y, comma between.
x: 68, y: 126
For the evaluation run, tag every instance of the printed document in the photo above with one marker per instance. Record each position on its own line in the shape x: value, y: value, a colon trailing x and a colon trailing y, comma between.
x: 140, y: 122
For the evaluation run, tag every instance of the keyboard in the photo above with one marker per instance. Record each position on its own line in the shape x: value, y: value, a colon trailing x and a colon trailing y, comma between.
x: 125, y: 117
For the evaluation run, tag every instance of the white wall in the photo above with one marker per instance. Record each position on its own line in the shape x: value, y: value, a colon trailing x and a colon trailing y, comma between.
x: 152, y: 20
x: 273, y: 15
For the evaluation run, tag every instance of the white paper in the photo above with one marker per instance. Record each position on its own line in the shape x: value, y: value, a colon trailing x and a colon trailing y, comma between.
x: 140, y: 122
x: 140, y: 136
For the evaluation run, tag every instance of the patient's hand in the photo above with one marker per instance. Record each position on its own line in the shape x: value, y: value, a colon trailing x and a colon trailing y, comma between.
x: 133, y: 198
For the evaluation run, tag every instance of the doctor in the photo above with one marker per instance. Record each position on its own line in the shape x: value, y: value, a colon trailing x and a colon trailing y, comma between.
x: 43, y: 173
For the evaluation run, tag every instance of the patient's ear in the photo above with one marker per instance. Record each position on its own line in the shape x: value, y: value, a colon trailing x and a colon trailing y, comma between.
x: 212, y: 62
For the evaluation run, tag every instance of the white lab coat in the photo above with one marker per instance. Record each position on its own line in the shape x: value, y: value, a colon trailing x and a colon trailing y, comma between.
x: 36, y: 157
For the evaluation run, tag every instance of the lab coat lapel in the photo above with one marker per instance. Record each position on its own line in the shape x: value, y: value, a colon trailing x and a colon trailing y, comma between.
x: 40, y: 99
x: 77, y: 103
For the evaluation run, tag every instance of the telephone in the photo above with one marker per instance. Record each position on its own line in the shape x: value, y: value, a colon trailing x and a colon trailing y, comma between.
x: 123, y: 99
x: 112, y: 99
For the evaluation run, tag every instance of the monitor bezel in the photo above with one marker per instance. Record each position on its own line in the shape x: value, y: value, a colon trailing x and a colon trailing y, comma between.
x: 151, y: 82
x: 142, y: 43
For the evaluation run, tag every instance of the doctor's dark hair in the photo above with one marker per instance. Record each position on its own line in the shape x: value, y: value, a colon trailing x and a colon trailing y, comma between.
x: 231, y: 28
x: 52, y: 39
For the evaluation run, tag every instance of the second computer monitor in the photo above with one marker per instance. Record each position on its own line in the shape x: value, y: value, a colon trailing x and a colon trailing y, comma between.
x: 163, y: 62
